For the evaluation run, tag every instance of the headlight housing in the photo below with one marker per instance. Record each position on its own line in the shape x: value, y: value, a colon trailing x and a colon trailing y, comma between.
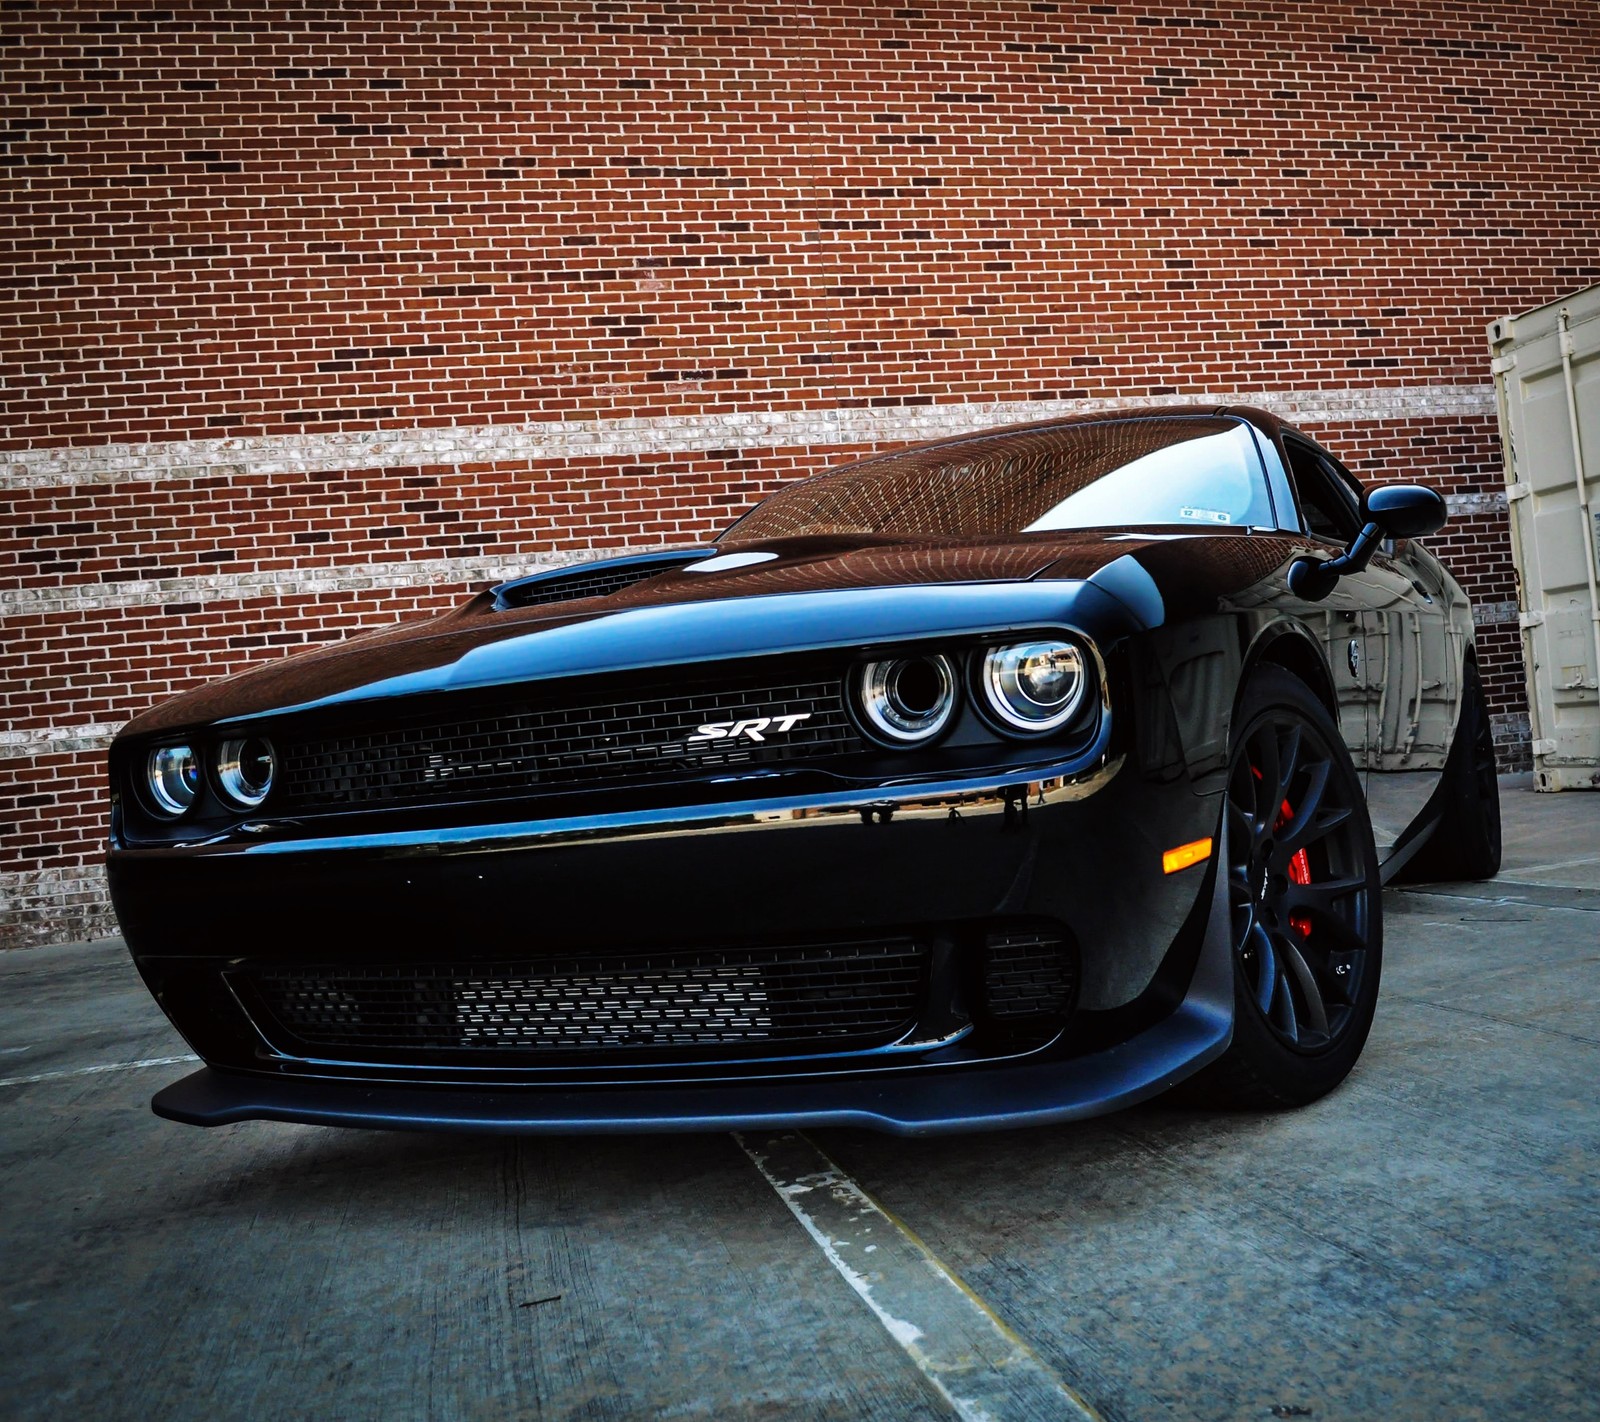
x: 1035, y: 687
x: 906, y: 701
x: 172, y: 779
x: 246, y: 769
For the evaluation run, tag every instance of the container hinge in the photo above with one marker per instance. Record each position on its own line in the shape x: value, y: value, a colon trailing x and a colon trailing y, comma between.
x: 1501, y: 364
x: 1519, y: 490
x: 1544, y: 747
x: 1526, y: 620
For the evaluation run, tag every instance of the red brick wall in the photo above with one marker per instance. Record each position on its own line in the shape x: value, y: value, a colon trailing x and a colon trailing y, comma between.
x: 262, y: 257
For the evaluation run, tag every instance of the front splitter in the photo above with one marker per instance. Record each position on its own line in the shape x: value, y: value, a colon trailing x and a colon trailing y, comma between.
x: 911, y: 1104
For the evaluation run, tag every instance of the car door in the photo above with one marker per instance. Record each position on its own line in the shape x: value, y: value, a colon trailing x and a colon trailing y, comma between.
x: 1329, y: 519
x: 1417, y: 657
x: 1408, y: 673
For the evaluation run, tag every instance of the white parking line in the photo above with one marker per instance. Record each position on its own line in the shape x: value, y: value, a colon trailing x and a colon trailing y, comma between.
x: 1521, y: 901
x: 959, y: 1344
x: 1559, y: 864
x: 92, y: 1070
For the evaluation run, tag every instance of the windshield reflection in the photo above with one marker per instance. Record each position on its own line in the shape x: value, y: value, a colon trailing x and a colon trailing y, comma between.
x: 1195, y: 471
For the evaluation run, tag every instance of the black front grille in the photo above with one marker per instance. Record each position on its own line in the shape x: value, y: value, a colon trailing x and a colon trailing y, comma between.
x: 1028, y: 975
x: 527, y: 748
x: 826, y: 997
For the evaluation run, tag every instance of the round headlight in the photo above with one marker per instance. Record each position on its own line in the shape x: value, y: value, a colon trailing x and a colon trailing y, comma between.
x: 172, y: 776
x: 1034, y: 687
x: 245, y: 770
x: 907, y: 701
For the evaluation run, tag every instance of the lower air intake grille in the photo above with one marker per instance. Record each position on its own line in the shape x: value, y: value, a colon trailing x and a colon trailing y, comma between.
x: 833, y: 997
x: 1028, y: 975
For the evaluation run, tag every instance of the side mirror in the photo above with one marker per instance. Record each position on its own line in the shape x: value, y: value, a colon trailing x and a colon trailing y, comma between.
x: 1387, y: 511
x: 1404, y: 510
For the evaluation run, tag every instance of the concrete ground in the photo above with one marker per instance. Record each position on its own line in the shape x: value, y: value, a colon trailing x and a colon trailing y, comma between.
x: 1421, y: 1244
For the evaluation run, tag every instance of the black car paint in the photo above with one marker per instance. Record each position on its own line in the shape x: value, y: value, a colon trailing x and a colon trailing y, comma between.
x: 801, y: 852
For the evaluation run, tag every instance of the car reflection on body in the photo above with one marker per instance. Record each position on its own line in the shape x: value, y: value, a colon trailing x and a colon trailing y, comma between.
x: 1008, y: 779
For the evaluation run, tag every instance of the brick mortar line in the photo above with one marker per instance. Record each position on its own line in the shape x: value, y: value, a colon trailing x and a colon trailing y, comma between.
x: 548, y: 440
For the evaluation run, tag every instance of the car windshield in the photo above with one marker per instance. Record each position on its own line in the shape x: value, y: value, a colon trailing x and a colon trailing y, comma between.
x: 1194, y: 471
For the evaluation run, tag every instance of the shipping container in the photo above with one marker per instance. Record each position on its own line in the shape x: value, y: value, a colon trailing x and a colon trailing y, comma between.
x: 1546, y: 366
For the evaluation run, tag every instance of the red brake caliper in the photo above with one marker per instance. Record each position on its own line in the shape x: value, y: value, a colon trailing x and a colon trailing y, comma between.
x: 1299, y: 871
x: 1299, y: 866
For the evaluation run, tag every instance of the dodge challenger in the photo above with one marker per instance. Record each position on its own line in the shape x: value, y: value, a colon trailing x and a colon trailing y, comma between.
x: 1008, y: 779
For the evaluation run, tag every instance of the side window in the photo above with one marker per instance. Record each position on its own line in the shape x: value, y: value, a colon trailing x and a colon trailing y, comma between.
x: 1327, y: 503
x: 1347, y: 481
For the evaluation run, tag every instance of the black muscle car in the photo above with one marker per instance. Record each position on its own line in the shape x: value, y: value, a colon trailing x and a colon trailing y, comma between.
x: 1008, y: 779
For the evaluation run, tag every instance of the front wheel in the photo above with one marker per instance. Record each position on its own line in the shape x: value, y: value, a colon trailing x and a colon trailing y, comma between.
x: 1305, y: 902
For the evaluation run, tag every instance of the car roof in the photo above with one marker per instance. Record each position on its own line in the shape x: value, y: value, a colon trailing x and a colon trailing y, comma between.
x: 1264, y: 420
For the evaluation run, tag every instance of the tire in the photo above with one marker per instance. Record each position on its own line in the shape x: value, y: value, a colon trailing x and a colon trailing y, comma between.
x: 1306, y: 905
x: 1465, y: 844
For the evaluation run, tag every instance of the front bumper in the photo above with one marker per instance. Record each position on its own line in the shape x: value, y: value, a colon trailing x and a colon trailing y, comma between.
x: 971, y: 1099
x: 1082, y: 850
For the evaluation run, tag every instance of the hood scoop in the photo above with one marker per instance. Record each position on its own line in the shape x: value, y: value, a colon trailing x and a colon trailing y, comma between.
x: 588, y: 579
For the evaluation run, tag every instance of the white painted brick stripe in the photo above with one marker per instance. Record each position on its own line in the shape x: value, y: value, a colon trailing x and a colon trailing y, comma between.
x: 80, y: 884
x: 53, y: 740
x: 673, y: 434
x: 292, y: 582
x: 1477, y: 505
x: 1511, y: 726
x: 387, y: 576
x: 55, y: 905
x: 1489, y: 614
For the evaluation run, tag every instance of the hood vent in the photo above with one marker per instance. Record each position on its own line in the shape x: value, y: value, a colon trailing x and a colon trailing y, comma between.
x: 587, y: 579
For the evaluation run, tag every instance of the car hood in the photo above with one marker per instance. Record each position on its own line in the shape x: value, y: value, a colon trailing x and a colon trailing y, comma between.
x: 804, y: 594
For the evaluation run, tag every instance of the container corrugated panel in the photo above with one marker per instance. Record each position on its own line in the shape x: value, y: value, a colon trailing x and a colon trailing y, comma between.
x: 1547, y: 382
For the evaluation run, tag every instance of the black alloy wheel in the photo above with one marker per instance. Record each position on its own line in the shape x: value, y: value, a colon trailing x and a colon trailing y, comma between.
x: 1305, y: 905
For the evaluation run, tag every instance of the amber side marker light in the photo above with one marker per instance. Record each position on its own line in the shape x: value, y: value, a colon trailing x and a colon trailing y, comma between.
x: 1195, y: 852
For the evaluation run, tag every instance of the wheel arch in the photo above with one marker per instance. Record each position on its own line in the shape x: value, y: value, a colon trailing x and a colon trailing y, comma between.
x: 1290, y: 646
